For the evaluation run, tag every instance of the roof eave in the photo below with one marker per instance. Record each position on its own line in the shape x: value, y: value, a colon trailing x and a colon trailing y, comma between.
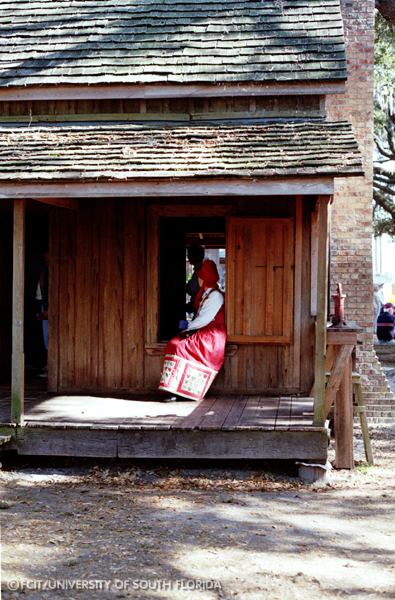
x: 122, y: 90
x: 172, y: 187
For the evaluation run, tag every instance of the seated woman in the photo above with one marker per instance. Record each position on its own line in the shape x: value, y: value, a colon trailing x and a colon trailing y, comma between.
x: 194, y: 357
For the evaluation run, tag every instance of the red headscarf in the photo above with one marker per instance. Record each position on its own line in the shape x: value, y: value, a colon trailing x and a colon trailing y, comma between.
x: 209, y: 273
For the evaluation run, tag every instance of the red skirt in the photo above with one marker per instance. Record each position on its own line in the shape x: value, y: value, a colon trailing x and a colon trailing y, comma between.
x: 190, y: 365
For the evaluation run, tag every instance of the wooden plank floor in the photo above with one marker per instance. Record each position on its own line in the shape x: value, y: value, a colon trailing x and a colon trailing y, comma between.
x: 127, y: 426
x: 228, y: 413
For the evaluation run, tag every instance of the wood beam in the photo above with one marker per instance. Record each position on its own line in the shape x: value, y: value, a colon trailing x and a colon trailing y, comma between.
x: 321, y: 319
x: 69, y: 203
x: 111, y: 91
x: 341, y: 360
x: 18, y: 284
x: 298, y: 290
x: 343, y: 420
x: 232, y: 186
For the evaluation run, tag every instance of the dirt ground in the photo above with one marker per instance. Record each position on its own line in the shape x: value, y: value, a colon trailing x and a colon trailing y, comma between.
x: 143, y: 531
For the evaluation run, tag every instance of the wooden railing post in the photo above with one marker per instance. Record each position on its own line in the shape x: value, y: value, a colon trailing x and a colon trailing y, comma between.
x: 342, y: 341
x: 321, y: 319
x: 18, y: 285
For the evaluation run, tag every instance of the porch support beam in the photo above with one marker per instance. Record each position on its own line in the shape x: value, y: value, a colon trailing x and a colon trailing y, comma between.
x: 18, y: 291
x: 195, y: 186
x: 321, y: 319
x: 109, y: 91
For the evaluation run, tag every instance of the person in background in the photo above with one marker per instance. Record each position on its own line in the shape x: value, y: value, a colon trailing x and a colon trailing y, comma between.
x: 194, y: 357
x: 386, y: 324
x: 378, y: 300
x: 42, y: 295
x: 195, y: 257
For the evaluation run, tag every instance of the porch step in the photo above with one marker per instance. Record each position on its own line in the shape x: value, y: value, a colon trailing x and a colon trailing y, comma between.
x: 385, y: 352
x: 390, y: 414
x: 380, y: 420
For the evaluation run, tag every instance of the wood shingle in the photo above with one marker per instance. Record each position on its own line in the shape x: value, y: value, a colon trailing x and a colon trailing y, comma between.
x: 98, y: 152
x: 170, y: 41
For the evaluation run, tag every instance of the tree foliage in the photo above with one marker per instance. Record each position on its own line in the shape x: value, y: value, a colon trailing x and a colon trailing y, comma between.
x: 384, y: 161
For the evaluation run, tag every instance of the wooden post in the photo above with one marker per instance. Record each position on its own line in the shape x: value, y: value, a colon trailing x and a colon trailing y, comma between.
x: 321, y: 320
x: 362, y: 418
x: 18, y: 292
x: 344, y: 454
x: 341, y: 345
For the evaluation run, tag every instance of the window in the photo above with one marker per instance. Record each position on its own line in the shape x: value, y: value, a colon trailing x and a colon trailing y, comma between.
x: 176, y: 235
x: 260, y: 266
x: 157, y: 216
x: 256, y: 257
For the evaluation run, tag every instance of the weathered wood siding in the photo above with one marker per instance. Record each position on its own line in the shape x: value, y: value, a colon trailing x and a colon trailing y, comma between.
x: 6, y: 294
x: 184, y: 109
x: 97, y: 297
x: 98, y: 304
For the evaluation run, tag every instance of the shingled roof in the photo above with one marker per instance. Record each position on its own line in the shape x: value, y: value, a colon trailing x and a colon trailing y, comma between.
x: 122, y: 152
x: 170, y: 41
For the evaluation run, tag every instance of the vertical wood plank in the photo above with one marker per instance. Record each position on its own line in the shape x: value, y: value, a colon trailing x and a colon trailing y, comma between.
x: 344, y: 455
x: 230, y: 272
x: 94, y: 293
x: 320, y: 332
x: 53, y: 301
x: 18, y: 292
x: 6, y: 251
x: 288, y: 275
x: 297, y: 292
x: 67, y: 277
x: 314, y: 264
x: 152, y: 278
x: 271, y: 242
x: 111, y: 296
x: 133, y: 297
x: 307, y: 321
x: 245, y: 278
x: 83, y: 347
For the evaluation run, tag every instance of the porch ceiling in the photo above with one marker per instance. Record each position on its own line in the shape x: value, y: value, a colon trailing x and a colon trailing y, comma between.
x: 128, y: 152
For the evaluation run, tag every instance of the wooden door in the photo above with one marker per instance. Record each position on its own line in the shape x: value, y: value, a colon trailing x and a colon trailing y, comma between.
x: 260, y: 286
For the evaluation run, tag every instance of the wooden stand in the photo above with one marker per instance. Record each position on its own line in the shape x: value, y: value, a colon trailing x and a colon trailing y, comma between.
x: 341, y: 344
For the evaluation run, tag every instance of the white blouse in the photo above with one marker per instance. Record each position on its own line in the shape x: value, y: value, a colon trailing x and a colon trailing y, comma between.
x: 208, y: 308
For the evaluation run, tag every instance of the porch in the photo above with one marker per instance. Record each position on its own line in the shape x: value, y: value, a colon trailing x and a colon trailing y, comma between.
x: 132, y: 426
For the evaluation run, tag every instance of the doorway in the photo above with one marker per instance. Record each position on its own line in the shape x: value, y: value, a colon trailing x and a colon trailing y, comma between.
x: 177, y: 234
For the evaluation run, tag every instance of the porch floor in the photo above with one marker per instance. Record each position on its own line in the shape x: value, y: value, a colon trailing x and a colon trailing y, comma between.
x: 143, y: 426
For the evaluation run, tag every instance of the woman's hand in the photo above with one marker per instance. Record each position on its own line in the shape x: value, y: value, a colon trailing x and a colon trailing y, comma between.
x: 183, y: 335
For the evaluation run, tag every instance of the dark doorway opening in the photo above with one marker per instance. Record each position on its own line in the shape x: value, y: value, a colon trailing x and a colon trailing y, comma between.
x: 176, y: 235
x: 36, y: 243
x: 36, y: 247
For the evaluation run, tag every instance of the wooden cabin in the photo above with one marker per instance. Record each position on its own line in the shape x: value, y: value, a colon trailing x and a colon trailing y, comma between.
x: 128, y: 131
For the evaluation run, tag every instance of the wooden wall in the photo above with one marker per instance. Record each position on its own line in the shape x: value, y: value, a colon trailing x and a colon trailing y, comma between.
x: 175, y: 109
x: 98, y: 305
x: 6, y: 294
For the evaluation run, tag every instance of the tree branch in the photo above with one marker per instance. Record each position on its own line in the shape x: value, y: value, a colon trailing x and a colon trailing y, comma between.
x: 382, y: 201
x: 387, y: 10
x: 380, y: 171
x: 390, y: 138
x: 382, y: 150
x: 384, y: 188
